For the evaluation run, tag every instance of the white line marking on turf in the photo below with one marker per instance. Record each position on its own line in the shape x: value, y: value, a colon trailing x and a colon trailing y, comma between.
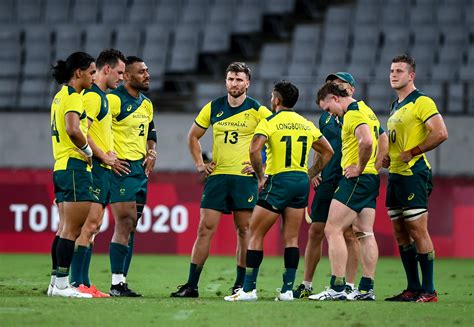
x: 183, y: 314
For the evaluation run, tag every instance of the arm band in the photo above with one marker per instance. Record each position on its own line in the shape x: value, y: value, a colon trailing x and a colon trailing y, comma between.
x: 87, y: 150
x: 151, y: 132
x: 416, y: 151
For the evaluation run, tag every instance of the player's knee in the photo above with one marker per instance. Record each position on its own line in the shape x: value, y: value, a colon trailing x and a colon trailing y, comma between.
x: 243, y: 231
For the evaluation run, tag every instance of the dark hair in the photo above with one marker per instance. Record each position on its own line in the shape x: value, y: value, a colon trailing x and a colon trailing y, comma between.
x: 132, y: 59
x: 239, y: 67
x: 287, y: 92
x: 406, y: 59
x: 331, y: 88
x: 109, y: 57
x: 64, y: 70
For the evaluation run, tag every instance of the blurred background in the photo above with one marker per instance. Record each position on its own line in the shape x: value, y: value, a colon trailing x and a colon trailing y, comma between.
x: 187, y: 44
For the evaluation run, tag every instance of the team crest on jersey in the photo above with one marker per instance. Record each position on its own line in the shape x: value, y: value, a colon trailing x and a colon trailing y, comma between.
x: 220, y: 113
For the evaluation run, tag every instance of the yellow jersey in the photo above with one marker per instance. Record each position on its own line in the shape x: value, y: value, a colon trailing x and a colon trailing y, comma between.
x: 65, y: 101
x: 359, y: 113
x: 130, y: 119
x: 97, y: 110
x: 233, y: 129
x: 407, y: 129
x: 289, y: 140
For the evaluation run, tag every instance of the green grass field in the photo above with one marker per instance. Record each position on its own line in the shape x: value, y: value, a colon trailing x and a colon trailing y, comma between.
x: 24, y: 279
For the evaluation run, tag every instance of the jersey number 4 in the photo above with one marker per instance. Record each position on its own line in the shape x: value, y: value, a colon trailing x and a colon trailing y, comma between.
x: 287, y: 140
x: 54, y: 131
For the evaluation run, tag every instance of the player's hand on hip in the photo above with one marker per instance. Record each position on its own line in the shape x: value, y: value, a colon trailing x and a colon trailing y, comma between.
x: 316, y: 180
x: 121, y: 167
x: 351, y: 171
x: 406, y: 156
x: 261, y: 183
x: 207, y: 168
x: 248, y: 169
x: 109, y: 158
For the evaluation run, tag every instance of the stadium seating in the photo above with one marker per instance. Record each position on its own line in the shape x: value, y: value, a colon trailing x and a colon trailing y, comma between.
x: 360, y: 36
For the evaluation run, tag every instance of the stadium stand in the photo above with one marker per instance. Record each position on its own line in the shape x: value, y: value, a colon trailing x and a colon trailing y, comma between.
x: 185, y: 40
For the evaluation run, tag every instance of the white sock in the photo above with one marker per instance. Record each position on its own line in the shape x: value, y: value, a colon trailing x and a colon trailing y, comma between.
x: 306, y: 284
x: 62, y: 282
x: 351, y: 285
x: 117, y: 279
x: 124, y: 279
x: 53, y: 279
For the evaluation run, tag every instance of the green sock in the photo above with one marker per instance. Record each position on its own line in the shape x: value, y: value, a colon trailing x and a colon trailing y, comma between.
x: 338, y: 283
x: 254, y: 260
x: 239, y: 280
x: 85, y: 268
x: 77, y: 265
x: 117, y: 254
x: 366, y: 284
x: 410, y: 264
x: 131, y: 242
x: 427, y: 271
x: 194, y: 274
x: 288, y: 279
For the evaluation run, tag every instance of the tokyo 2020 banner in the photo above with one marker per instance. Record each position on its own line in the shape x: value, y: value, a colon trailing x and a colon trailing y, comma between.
x: 29, y: 219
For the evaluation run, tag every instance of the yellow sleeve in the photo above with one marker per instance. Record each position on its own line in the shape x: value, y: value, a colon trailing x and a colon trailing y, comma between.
x: 353, y: 119
x: 92, y: 104
x: 204, y: 117
x: 114, y: 104
x: 263, y: 128
x: 426, y: 108
x: 264, y: 112
x: 74, y: 104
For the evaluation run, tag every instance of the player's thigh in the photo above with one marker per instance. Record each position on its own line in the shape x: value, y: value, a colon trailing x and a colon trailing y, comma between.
x: 209, y: 219
x: 340, y: 217
x: 292, y: 218
x: 365, y: 220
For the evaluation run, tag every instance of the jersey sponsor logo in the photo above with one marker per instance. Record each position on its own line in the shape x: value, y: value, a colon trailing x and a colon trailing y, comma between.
x: 411, y: 196
x: 129, y: 107
x: 250, y: 199
x: 220, y: 113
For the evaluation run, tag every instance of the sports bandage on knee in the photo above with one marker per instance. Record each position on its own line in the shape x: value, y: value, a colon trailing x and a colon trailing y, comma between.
x: 360, y: 235
x: 413, y: 214
x: 395, y: 213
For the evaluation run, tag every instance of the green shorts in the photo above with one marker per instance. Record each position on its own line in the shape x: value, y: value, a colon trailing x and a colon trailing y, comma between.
x: 74, y: 184
x: 410, y: 192
x: 358, y: 192
x: 131, y: 187
x: 227, y: 193
x: 322, y: 200
x: 288, y: 189
x: 101, y: 182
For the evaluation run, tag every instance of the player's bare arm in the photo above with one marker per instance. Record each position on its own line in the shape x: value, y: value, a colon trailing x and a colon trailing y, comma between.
x: 195, y: 133
x: 256, y: 147
x: 382, y: 151
x: 437, y: 134
x: 74, y: 132
x: 325, y: 153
